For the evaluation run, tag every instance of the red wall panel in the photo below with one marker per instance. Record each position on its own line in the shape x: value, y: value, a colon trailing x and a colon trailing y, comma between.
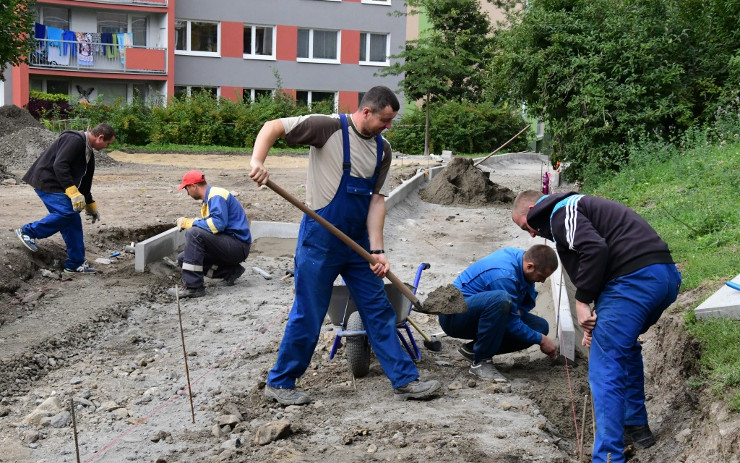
x: 350, y: 47
x: 232, y: 39
x: 287, y: 43
x: 348, y: 102
x: 145, y: 59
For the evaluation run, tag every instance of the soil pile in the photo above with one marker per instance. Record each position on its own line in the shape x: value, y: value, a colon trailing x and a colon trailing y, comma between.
x: 461, y: 184
x: 445, y: 300
x: 23, y: 139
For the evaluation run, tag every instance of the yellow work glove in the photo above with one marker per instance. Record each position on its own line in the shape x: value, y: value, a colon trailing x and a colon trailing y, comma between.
x: 78, y: 201
x: 91, y: 210
x: 183, y: 223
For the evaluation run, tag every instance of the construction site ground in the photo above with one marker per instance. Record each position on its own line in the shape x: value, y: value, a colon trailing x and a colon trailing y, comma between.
x: 112, y: 343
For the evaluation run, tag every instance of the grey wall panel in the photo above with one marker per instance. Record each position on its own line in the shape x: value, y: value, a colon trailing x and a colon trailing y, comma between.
x: 235, y: 72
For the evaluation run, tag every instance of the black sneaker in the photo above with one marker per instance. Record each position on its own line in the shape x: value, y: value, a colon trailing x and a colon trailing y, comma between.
x: 231, y: 280
x: 27, y: 241
x: 466, y: 350
x: 183, y: 292
x: 84, y: 268
x: 287, y: 396
x: 638, y: 436
x: 417, y: 390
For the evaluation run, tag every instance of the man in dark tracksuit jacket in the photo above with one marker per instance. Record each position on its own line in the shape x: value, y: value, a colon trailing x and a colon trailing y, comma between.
x: 62, y: 177
x: 615, y: 259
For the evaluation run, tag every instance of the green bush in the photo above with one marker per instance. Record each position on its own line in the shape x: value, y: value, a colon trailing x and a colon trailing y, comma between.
x: 459, y: 127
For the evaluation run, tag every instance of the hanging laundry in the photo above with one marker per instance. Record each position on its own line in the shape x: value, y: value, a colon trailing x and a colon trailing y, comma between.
x: 97, y: 43
x: 85, y: 57
x: 108, y: 40
x: 39, y: 33
x: 69, y: 44
x: 54, y: 45
x: 125, y: 40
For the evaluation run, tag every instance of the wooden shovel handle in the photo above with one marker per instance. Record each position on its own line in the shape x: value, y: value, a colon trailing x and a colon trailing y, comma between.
x: 346, y: 240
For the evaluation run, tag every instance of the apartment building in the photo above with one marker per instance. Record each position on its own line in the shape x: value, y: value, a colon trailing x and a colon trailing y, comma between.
x: 314, y: 49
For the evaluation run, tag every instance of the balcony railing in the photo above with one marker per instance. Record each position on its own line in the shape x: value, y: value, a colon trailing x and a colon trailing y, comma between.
x: 97, y: 57
x: 129, y: 2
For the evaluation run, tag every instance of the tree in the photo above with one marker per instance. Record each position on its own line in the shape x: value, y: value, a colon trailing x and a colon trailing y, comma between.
x: 16, y: 24
x: 446, y: 61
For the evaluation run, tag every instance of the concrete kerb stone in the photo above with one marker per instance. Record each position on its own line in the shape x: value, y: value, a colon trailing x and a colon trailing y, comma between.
x: 725, y: 302
x: 561, y: 303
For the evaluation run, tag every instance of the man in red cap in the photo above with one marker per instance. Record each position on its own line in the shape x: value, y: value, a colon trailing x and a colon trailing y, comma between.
x: 217, y: 243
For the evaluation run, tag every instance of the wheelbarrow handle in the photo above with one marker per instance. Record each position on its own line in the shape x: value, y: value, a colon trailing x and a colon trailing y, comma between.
x: 345, y: 239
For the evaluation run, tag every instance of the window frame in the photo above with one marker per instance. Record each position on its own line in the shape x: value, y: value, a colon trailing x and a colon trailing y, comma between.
x: 309, y: 97
x: 188, y: 39
x: 253, y: 27
x: 377, y: 2
x: 311, y: 59
x: 367, y: 61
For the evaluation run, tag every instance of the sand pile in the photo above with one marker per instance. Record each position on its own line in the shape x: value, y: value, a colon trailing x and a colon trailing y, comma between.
x: 23, y: 139
x: 461, y: 183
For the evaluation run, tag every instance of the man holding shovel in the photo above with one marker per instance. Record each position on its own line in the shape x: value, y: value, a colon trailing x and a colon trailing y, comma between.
x: 348, y: 167
x: 619, y: 263
x: 499, y: 294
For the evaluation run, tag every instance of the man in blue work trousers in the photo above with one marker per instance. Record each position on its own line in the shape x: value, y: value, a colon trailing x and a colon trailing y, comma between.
x: 499, y: 294
x: 618, y: 262
x: 62, y: 177
x: 347, y: 183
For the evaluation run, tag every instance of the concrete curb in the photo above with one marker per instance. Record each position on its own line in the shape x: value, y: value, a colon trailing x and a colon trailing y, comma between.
x: 725, y: 302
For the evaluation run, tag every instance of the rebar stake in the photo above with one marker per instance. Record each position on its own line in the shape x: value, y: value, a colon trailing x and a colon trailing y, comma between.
x: 74, y: 427
x: 185, y: 354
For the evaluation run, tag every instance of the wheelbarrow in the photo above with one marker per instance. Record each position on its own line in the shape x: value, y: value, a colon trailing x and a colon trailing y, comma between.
x: 343, y: 314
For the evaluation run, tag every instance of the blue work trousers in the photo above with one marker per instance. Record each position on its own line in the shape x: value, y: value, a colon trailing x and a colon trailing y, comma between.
x: 62, y: 218
x: 485, y: 323
x: 626, y: 308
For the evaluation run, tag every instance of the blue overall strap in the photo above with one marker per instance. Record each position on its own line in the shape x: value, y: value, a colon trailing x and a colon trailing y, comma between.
x: 571, y: 215
x: 345, y: 143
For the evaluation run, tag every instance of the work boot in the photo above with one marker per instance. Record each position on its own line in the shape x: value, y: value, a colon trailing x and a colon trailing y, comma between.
x: 485, y: 370
x: 638, y: 436
x: 466, y: 350
x: 417, y: 390
x: 184, y: 292
x: 287, y: 396
x: 231, y: 280
x: 27, y: 241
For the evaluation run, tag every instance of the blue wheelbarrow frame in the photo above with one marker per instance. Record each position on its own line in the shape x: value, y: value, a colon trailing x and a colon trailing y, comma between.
x: 342, y: 312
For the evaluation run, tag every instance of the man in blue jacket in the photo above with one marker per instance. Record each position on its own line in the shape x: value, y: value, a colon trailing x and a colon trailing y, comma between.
x: 217, y: 243
x: 499, y: 292
x: 62, y: 177
x: 619, y: 263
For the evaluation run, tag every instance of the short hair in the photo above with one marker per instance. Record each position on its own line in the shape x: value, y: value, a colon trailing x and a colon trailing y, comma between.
x: 542, y: 256
x: 105, y: 130
x: 377, y: 98
x: 523, y: 200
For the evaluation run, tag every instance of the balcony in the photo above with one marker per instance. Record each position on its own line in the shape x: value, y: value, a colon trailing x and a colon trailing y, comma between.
x: 128, y: 2
x: 67, y: 55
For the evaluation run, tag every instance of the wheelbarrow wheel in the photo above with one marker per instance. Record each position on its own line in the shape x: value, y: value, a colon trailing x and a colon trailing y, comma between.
x: 358, y: 348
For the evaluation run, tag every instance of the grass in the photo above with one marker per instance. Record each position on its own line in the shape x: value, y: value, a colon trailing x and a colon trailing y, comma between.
x: 691, y: 198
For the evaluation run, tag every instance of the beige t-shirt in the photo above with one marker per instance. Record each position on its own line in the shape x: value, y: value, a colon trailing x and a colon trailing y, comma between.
x: 325, y: 158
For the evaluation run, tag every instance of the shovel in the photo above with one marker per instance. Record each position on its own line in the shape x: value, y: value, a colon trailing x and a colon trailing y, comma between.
x: 346, y: 240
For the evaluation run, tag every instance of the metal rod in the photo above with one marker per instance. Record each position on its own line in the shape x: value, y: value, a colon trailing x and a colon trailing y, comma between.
x: 185, y: 355
x: 583, y: 426
x: 74, y: 427
x: 501, y: 147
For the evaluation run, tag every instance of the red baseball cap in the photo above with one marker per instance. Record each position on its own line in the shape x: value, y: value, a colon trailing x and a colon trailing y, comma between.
x: 191, y: 177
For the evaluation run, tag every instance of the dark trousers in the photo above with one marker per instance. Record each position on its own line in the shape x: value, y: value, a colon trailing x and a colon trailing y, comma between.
x: 214, y: 256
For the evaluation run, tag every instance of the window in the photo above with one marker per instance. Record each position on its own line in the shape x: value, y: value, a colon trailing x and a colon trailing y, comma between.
x: 374, y: 48
x: 190, y: 90
x: 57, y: 86
x: 259, y: 41
x: 114, y: 23
x: 196, y: 37
x: 139, y: 26
x: 318, y: 45
x: 311, y: 98
x: 53, y: 16
x: 250, y: 95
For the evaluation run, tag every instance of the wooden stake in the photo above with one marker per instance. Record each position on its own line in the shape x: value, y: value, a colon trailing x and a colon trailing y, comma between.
x: 583, y: 425
x: 74, y: 427
x: 185, y: 354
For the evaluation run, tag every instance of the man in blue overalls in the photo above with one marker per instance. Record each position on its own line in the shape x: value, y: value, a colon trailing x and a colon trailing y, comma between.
x: 619, y: 263
x: 348, y: 165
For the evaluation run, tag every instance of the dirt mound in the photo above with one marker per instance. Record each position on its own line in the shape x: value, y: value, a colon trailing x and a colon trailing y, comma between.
x: 13, y: 119
x: 20, y: 149
x: 461, y: 183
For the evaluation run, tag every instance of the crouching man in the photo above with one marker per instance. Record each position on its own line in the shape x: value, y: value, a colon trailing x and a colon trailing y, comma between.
x: 217, y: 243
